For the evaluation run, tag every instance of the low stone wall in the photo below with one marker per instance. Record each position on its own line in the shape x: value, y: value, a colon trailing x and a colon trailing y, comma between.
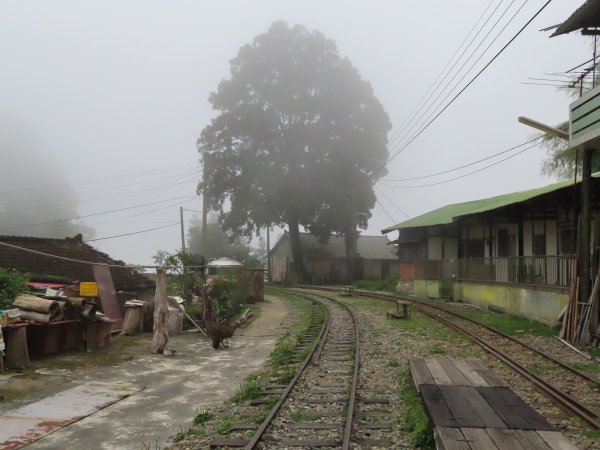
x: 543, y: 305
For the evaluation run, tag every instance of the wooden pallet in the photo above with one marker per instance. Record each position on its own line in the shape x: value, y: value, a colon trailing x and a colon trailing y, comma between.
x: 470, y: 408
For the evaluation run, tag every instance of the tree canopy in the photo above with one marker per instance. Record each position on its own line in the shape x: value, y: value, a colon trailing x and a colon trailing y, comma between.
x: 299, y: 139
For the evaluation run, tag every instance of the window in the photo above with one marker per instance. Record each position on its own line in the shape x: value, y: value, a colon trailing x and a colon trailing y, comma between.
x: 539, y: 244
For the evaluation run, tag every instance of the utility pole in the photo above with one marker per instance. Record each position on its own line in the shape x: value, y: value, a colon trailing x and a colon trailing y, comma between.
x: 269, y: 277
x: 204, y: 203
x: 182, y: 229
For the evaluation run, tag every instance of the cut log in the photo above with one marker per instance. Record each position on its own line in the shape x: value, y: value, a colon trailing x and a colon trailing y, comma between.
x: 17, y: 356
x: 88, y: 312
x: 33, y: 303
x: 38, y: 317
x: 133, y: 317
x: 161, y: 311
x: 69, y: 310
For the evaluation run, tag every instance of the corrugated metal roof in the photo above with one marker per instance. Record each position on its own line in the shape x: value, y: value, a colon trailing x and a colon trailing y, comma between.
x: 447, y: 214
x: 586, y: 16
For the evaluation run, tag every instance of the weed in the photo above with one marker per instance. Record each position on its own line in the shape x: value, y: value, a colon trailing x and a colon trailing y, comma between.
x: 259, y: 418
x: 437, y: 350
x: 414, y: 419
x: 187, y: 431
x: 251, y: 389
x: 592, y: 433
x: 590, y: 367
x: 224, y: 427
x: 202, y: 416
x: 393, y: 363
x: 286, y: 376
x: 387, y: 284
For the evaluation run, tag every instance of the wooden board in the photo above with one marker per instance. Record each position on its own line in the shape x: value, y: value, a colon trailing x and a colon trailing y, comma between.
x: 437, y: 372
x: 513, y: 410
x: 556, y: 440
x: 478, y: 438
x: 470, y: 372
x: 420, y: 372
x: 456, y: 376
x: 436, y: 406
x: 469, y: 408
x: 451, y: 439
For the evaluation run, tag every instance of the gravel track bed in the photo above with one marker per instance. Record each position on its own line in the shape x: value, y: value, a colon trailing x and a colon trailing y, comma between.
x: 435, y: 339
x: 580, y: 389
x: 329, y: 372
x: 386, y: 347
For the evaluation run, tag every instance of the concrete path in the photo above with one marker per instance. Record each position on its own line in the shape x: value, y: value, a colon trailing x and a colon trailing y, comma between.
x: 197, y: 377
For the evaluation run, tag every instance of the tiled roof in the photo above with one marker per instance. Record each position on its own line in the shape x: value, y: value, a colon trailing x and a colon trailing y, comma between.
x: 39, y: 265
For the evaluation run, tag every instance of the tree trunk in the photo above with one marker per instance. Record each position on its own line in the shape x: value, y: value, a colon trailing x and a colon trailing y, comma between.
x: 296, y: 245
x: 36, y: 316
x: 161, y: 310
x: 17, y: 355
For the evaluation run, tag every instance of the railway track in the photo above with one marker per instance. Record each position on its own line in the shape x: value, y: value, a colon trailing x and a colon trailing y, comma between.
x: 317, y: 409
x: 554, y: 378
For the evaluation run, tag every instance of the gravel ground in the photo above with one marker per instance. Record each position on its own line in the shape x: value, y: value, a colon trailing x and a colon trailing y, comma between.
x: 386, y: 347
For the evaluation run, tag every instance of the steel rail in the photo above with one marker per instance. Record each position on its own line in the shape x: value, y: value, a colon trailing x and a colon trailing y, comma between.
x: 493, y: 330
x: 265, y: 424
x: 347, y: 438
x: 551, y: 391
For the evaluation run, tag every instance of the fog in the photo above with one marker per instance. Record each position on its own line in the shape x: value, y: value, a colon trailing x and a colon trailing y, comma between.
x: 101, y: 104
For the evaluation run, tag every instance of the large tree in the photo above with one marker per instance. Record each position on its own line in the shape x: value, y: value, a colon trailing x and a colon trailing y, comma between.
x: 300, y: 139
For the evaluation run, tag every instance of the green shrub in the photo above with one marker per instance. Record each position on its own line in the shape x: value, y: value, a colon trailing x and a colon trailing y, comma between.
x: 228, y: 297
x: 388, y: 284
x: 11, y: 285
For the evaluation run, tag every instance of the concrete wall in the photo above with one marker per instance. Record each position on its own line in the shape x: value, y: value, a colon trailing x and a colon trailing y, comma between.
x: 541, y: 305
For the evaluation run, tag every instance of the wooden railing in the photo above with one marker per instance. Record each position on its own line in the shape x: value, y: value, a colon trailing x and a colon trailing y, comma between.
x: 549, y: 270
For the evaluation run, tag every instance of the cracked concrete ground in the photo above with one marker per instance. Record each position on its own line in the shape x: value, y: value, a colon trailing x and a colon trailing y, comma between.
x: 196, y: 377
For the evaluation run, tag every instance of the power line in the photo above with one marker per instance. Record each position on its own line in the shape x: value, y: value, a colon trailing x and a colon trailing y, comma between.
x: 473, y: 79
x: 132, y: 233
x: 95, y: 214
x: 385, y: 210
x: 464, y: 175
x: 407, y: 133
x: 92, y: 263
x: 391, y: 202
x: 406, y: 121
x: 417, y: 134
x: 145, y: 212
x: 466, y: 165
x: 178, y: 167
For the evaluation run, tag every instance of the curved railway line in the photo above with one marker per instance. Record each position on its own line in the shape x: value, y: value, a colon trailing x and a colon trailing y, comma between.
x: 558, y: 377
x: 319, y: 405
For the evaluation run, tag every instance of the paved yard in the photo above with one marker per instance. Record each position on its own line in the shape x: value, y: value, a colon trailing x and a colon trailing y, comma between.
x: 175, y: 387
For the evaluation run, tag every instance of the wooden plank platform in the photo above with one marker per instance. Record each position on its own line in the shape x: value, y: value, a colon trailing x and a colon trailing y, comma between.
x: 472, y: 409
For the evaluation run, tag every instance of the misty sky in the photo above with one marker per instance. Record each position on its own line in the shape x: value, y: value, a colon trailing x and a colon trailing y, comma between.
x: 111, y: 96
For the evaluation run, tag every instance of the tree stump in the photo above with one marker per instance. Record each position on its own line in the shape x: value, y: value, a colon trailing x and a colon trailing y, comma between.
x: 17, y: 355
x: 161, y: 311
x: 134, y: 318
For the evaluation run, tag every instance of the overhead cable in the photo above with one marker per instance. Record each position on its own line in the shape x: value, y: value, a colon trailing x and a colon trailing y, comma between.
x: 465, y: 165
x: 473, y: 79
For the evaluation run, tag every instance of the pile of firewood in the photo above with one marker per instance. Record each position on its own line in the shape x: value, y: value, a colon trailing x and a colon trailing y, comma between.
x: 46, y: 310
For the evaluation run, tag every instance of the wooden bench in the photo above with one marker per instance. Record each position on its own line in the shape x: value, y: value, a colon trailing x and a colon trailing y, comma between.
x: 347, y: 291
x: 471, y: 408
x: 401, y: 311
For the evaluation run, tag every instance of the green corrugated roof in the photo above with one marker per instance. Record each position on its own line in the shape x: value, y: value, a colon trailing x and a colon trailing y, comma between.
x: 447, y: 214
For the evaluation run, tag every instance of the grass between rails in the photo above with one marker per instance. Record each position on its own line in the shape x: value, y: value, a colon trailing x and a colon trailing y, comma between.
x: 414, y: 418
x: 279, y: 369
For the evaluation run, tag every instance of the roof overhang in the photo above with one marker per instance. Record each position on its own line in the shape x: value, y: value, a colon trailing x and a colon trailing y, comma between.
x: 586, y: 16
